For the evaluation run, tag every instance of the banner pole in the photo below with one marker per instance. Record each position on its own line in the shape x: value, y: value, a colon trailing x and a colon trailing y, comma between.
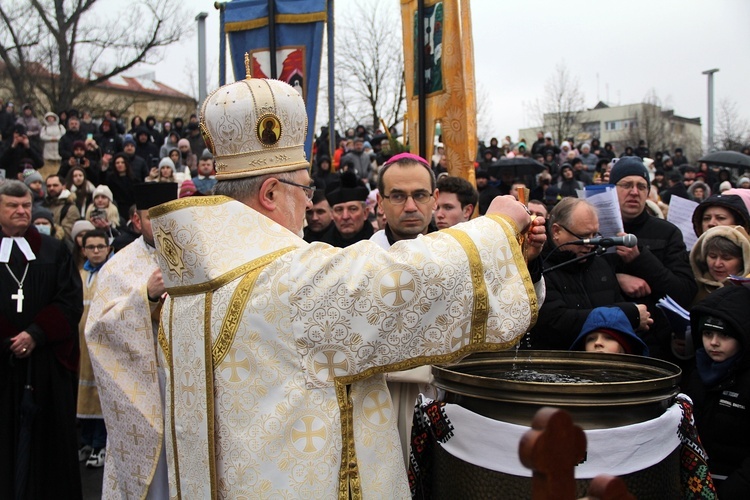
x: 272, y: 37
x: 422, y: 101
x: 331, y: 84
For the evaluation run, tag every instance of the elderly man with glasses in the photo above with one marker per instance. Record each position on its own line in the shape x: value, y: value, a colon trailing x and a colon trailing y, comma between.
x: 659, y: 264
x: 580, y: 283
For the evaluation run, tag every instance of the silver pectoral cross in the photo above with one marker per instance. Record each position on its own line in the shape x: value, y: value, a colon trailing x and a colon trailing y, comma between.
x: 19, y: 300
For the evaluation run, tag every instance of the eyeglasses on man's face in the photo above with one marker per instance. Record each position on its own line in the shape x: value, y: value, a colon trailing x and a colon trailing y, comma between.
x: 96, y: 248
x: 578, y: 236
x: 399, y: 197
x: 628, y: 186
x: 309, y: 190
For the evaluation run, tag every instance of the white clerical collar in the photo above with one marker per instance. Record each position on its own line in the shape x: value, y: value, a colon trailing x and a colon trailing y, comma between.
x: 7, y: 245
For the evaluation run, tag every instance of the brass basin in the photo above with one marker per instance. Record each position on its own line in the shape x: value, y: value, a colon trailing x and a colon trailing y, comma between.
x: 599, y: 390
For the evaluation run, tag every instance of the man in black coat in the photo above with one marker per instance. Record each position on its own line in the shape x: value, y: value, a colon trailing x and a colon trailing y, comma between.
x: 349, y: 212
x: 138, y: 167
x: 108, y: 140
x: 17, y: 153
x: 144, y: 148
x: 573, y: 290
x: 658, y: 265
x: 40, y: 309
x: 72, y: 134
x: 675, y: 188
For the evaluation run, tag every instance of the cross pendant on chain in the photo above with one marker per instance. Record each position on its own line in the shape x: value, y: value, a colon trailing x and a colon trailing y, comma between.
x: 18, y: 297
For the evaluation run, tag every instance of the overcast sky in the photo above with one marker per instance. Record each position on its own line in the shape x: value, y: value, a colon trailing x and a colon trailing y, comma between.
x: 619, y: 50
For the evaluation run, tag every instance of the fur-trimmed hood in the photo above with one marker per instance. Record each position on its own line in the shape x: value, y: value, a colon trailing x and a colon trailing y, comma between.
x: 735, y: 234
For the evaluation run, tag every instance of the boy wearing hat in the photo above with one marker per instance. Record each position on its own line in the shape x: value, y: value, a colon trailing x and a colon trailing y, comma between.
x: 608, y: 329
x: 659, y: 264
x: 96, y: 250
x: 34, y: 180
x: 720, y: 386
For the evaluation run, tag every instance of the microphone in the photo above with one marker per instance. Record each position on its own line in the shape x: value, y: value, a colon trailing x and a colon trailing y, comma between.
x: 629, y: 240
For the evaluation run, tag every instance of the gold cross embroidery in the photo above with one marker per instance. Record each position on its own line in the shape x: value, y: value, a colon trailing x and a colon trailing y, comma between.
x: 397, y: 288
x: 308, y: 434
x: 330, y: 365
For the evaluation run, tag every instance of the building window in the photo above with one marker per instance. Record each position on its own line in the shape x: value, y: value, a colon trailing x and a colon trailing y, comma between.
x: 616, y: 125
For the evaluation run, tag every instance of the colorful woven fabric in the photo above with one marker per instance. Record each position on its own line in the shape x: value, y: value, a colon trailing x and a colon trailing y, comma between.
x: 695, y: 477
x: 430, y: 426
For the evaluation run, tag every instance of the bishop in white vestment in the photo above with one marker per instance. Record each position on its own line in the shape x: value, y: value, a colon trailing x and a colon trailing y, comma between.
x: 275, y: 349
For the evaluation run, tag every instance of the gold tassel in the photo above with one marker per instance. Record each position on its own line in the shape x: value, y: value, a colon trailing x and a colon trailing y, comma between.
x: 248, y: 72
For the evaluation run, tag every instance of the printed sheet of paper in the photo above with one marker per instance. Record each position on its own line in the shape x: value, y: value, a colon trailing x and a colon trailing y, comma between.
x: 604, y: 198
x: 681, y: 215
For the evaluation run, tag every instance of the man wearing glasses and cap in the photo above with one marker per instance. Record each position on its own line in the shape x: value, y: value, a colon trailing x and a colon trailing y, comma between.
x: 276, y: 348
x: 659, y: 264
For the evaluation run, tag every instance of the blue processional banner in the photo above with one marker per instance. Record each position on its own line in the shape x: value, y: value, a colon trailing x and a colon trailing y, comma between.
x: 299, y: 44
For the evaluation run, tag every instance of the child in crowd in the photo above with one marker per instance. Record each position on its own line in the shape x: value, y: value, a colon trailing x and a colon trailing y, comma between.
x: 607, y: 329
x: 34, y: 180
x: 720, y: 387
x: 80, y: 228
x: 97, y: 250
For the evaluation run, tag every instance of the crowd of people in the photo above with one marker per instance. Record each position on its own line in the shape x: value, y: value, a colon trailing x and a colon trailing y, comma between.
x: 382, y: 244
x: 83, y: 177
x: 94, y: 164
x: 591, y: 299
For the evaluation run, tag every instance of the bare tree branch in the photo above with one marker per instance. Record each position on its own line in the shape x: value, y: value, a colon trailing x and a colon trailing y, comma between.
x: 71, y: 46
x: 369, y: 75
x: 734, y: 131
x: 560, y: 109
x: 660, y: 129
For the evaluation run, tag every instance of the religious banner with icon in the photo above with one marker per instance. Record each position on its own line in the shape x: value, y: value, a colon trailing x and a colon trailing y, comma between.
x: 433, y: 48
x: 299, y: 41
x: 449, y: 80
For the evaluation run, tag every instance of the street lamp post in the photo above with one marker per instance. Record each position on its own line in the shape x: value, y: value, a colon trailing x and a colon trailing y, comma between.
x: 710, y: 73
x: 201, y: 18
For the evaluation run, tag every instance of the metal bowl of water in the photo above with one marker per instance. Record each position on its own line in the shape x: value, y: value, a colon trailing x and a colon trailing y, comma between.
x: 599, y: 390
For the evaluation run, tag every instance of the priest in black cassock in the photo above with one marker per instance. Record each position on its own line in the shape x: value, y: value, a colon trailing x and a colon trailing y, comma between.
x: 40, y: 305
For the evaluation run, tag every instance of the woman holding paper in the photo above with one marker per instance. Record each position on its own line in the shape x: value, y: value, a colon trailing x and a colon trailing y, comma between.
x: 720, y: 252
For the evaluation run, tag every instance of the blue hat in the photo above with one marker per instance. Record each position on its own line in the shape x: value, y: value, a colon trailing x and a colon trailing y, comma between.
x: 614, y: 319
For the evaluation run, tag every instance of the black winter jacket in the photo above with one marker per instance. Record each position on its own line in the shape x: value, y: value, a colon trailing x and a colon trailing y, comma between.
x: 664, y: 265
x: 722, y: 411
x: 572, y: 292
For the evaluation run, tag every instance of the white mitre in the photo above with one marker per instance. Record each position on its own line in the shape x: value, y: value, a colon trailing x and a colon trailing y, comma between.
x: 255, y: 127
